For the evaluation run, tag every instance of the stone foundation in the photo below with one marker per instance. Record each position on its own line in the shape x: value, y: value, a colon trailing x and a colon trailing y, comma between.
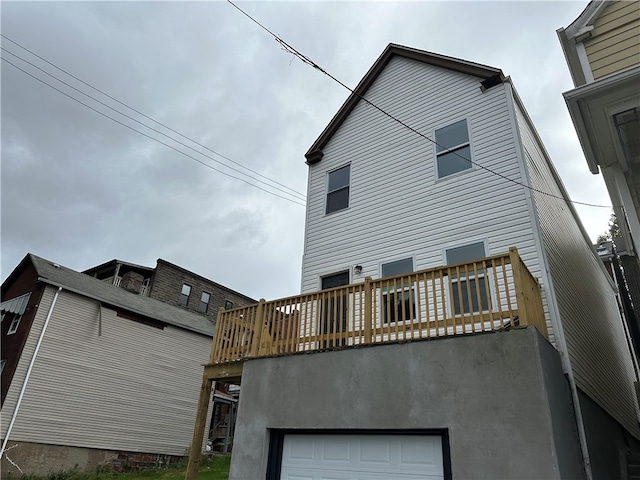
x: 40, y: 459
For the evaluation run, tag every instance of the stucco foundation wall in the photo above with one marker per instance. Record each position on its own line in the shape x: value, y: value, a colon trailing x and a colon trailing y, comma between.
x: 493, y: 392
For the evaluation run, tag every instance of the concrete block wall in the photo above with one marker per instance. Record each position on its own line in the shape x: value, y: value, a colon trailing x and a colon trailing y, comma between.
x: 166, y: 286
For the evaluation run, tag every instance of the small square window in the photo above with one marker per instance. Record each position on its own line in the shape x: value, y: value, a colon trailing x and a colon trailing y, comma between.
x: 204, y: 302
x: 13, y: 326
x: 338, y: 189
x: 228, y: 305
x: 184, y: 295
x: 453, y: 149
x: 2, y: 364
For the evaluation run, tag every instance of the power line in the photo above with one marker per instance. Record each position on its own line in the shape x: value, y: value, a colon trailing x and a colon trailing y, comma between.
x: 288, y: 48
x: 297, y: 193
x: 149, y: 136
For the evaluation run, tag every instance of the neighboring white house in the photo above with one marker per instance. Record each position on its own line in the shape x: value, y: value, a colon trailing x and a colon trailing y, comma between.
x: 458, y: 174
x: 94, y: 374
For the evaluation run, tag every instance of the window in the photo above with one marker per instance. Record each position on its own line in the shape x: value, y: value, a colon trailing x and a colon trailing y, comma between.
x: 13, y: 326
x: 204, y: 302
x: 184, y: 296
x: 338, y: 189
x: 2, y: 364
x: 228, y: 305
x: 399, y: 299
x: 468, y: 291
x: 453, y: 150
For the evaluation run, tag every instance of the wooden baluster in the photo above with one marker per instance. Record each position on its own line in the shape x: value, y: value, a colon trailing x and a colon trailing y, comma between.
x: 368, y: 310
x: 516, y: 268
x: 258, y: 326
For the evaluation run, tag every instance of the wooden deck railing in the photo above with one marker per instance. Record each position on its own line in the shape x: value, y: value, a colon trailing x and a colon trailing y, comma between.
x: 490, y: 294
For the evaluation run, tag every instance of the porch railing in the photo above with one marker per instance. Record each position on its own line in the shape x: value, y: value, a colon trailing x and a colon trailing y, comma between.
x: 490, y: 294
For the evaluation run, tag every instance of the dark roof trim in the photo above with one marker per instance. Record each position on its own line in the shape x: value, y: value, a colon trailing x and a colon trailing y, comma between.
x: 314, y: 154
x: 115, y: 262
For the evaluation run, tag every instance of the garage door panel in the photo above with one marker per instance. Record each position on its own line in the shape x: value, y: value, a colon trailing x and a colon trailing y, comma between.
x: 361, y: 457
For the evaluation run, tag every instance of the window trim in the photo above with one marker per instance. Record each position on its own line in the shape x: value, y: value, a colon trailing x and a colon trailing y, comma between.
x: 469, y: 143
x: 188, y: 295
x: 327, y: 192
x: 331, y: 273
x: 15, y: 323
x: 491, y: 297
x: 206, y: 308
x: 228, y: 305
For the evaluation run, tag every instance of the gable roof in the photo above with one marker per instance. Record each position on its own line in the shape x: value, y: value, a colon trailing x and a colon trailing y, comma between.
x: 489, y: 75
x: 54, y: 274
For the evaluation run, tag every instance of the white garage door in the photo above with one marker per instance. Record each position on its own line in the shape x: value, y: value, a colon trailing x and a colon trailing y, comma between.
x: 362, y: 457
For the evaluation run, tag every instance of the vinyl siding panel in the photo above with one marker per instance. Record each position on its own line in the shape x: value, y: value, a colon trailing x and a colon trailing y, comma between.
x: 133, y: 388
x: 397, y: 207
x: 596, y: 342
x: 614, y: 44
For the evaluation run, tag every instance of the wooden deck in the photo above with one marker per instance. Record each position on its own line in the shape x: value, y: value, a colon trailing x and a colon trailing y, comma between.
x: 488, y: 295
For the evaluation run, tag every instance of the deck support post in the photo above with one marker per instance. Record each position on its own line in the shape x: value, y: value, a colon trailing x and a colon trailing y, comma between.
x: 368, y: 321
x: 198, y: 431
x: 518, y: 285
x: 258, y: 329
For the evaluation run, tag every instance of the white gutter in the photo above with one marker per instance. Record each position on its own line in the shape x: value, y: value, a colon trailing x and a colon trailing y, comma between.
x: 26, y: 378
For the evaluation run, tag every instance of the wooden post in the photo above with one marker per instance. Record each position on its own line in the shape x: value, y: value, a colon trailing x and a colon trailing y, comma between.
x: 368, y: 304
x: 216, y: 337
x: 258, y: 329
x: 198, y: 431
x: 518, y: 285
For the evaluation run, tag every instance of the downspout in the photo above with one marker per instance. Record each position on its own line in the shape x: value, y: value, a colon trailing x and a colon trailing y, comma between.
x: 26, y: 378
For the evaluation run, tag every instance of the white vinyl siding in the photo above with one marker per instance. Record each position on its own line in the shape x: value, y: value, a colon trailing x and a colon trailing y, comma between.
x: 397, y: 208
x: 599, y: 356
x: 132, y: 388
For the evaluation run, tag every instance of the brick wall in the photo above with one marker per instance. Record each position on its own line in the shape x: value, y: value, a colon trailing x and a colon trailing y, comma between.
x: 166, y: 286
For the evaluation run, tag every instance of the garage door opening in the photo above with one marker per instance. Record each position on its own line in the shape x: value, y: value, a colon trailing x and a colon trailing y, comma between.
x: 349, y: 455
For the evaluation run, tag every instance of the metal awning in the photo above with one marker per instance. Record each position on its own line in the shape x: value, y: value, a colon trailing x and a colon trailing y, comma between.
x: 16, y: 305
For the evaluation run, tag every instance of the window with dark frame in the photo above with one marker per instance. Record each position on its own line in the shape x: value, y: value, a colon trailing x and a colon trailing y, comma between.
x: 184, y: 295
x: 204, y: 302
x: 228, y: 305
x: 453, y: 149
x: 338, y: 189
x: 399, y: 299
x: 15, y: 322
x: 469, y: 286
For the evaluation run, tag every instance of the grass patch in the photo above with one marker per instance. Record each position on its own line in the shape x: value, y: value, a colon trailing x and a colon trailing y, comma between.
x: 215, y: 468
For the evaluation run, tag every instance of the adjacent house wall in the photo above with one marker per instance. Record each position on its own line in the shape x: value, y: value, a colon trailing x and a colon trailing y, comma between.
x: 166, y: 286
x: 502, y: 397
x: 397, y: 207
x: 599, y: 354
x: 122, y: 385
x: 614, y: 44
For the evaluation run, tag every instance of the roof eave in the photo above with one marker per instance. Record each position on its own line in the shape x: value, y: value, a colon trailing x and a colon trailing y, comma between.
x: 314, y: 154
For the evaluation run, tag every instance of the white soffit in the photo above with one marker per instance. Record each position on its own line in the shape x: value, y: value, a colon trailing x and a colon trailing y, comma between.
x: 591, y: 107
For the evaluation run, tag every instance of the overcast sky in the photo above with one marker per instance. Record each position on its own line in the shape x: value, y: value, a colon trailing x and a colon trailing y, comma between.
x: 80, y: 189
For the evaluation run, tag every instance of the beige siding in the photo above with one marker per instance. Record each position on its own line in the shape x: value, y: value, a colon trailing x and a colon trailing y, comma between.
x: 132, y: 388
x: 397, y: 207
x: 596, y: 342
x: 614, y: 44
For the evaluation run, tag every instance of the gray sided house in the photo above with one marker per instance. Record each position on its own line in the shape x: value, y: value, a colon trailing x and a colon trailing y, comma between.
x: 93, y: 374
x: 455, y: 318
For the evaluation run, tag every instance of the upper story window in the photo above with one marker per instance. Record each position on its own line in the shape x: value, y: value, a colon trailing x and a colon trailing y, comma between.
x: 453, y: 149
x: 338, y: 189
x: 204, y: 302
x: 228, y: 305
x: 184, y: 295
x: 15, y: 322
x: 398, y: 298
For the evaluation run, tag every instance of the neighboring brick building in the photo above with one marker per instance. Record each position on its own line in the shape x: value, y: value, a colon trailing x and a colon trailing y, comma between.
x: 171, y: 284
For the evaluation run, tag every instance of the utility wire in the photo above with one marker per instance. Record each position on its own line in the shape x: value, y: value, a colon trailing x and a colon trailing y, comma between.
x: 147, y: 126
x: 149, y: 136
x: 288, y: 48
x: 303, y: 197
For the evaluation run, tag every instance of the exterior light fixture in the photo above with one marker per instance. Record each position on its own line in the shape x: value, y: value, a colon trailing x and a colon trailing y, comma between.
x: 357, y: 269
